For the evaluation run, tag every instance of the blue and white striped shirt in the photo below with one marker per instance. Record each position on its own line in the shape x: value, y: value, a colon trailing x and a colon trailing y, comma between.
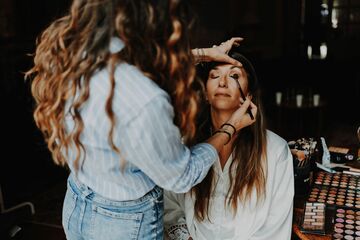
x: 148, y: 140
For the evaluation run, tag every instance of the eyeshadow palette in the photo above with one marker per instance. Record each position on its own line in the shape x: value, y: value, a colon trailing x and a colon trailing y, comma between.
x: 340, y: 180
x: 314, y: 218
x: 346, y: 224
x: 342, y: 197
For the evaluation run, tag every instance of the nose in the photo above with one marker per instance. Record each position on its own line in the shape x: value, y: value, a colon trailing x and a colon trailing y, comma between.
x: 223, y: 82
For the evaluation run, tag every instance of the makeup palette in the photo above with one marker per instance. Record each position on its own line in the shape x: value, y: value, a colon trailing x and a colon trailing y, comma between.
x: 346, y: 224
x: 341, y: 180
x: 341, y: 197
x: 314, y: 218
x: 338, y: 189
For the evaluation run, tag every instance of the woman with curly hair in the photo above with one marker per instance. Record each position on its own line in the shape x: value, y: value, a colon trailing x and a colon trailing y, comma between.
x: 113, y: 84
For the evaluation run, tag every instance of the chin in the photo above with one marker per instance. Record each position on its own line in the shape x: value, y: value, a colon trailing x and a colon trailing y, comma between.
x: 224, y: 106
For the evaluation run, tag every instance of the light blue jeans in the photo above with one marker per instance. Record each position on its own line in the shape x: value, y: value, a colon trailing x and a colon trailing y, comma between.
x: 88, y: 216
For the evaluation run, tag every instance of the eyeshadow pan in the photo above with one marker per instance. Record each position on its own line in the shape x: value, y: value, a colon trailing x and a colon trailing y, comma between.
x: 338, y: 236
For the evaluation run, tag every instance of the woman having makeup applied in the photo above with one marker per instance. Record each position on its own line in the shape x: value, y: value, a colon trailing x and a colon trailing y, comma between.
x: 248, y: 193
x: 113, y: 84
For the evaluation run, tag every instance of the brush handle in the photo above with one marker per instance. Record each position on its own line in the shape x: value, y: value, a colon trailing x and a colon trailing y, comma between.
x: 243, y: 97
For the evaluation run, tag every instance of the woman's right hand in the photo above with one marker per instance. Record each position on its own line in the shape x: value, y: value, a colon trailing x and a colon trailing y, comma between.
x: 240, y: 118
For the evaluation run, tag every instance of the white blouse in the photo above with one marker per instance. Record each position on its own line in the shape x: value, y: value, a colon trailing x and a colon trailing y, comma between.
x: 270, y: 219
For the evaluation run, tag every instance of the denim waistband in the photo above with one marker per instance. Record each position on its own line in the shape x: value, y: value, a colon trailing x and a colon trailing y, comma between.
x: 86, y: 192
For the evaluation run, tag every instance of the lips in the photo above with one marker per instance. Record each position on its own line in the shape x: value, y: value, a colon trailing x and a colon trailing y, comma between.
x: 222, y: 95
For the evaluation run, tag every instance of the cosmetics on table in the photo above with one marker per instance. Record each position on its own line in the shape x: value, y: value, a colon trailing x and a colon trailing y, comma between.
x: 339, y: 192
x: 346, y: 224
x: 335, y: 196
x: 338, y: 189
x: 314, y: 218
x: 341, y: 180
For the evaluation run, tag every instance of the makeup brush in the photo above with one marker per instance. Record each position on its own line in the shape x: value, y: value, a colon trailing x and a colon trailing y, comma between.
x: 243, y: 97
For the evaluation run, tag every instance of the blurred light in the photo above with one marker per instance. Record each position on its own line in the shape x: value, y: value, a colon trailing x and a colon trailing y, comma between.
x: 323, y: 51
x: 309, y: 52
x: 334, y: 18
x: 324, y: 10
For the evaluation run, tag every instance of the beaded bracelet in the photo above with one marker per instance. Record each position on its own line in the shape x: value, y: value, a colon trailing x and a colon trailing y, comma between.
x: 202, y: 54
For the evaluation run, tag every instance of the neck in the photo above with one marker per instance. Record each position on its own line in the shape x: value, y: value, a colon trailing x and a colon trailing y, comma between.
x: 219, y: 117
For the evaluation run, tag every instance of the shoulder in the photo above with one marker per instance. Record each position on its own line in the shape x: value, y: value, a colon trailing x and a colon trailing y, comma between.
x: 134, y: 92
x: 274, y: 140
x: 132, y: 82
x: 277, y: 148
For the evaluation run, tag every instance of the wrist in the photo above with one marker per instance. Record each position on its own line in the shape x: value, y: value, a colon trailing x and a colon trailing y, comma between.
x: 229, y: 128
x: 235, y: 123
x: 205, y: 53
x: 195, y: 54
x: 224, y: 133
x: 201, y: 55
x: 226, y: 129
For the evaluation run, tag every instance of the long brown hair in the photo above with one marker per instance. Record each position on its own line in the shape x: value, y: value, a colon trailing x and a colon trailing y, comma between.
x: 73, y: 47
x: 249, y: 152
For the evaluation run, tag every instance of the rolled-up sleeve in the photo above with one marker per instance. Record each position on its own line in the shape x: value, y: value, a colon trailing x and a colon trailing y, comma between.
x: 153, y: 144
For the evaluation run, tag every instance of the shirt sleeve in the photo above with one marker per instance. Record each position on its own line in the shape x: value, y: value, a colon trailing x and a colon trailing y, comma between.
x: 152, y: 142
x: 278, y: 224
x: 174, y: 216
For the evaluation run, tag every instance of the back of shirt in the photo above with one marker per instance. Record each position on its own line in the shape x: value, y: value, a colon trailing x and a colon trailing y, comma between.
x: 149, y: 142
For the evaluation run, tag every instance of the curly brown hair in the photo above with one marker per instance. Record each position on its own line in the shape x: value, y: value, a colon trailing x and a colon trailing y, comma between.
x: 72, y: 48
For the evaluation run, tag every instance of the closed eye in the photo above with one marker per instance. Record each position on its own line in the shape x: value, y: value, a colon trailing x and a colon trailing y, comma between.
x: 214, y: 76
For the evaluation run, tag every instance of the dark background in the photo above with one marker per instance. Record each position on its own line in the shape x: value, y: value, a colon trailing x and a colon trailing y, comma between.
x: 277, y: 34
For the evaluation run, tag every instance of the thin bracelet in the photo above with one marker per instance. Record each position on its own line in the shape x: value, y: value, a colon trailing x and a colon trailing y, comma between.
x: 229, y: 124
x: 198, y: 56
x: 202, y: 55
x: 223, y: 131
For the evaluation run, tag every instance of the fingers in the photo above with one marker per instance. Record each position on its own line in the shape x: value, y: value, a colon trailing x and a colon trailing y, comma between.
x: 232, y: 41
x: 244, y: 106
x: 253, y: 109
x: 235, y: 41
x: 232, y: 61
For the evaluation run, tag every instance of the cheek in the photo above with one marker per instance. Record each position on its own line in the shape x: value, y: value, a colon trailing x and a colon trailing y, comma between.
x: 210, y: 89
x: 236, y: 97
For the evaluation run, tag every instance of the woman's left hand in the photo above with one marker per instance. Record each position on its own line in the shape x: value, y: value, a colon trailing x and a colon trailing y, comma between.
x: 219, y: 53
